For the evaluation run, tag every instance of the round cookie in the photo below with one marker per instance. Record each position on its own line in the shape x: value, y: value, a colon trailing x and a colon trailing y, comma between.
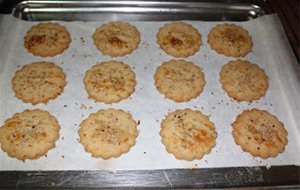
x: 179, y: 80
x: 47, y: 39
x: 38, y: 82
x: 29, y: 135
x: 188, y: 134
x: 259, y: 133
x: 108, y: 133
x: 230, y: 40
x: 110, y: 82
x: 244, y: 81
x: 179, y: 39
x: 116, y: 38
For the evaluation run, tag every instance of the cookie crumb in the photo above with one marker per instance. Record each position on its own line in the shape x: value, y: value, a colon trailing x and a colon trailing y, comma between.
x: 82, y: 106
x: 82, y: 39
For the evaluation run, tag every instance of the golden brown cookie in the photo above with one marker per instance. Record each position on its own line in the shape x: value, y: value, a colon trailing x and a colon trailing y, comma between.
x: 47, y: 39
x: 38, y: 82
x: 259, y: 133
x: 179, y: 80
x: 179, y: 39
x: 188, y: 134
x: 116, y: 38
x: 108, y: 133
x: 244, y: 81
x: 29, y: 135
x: 230, y: 40
x: 110, y: 82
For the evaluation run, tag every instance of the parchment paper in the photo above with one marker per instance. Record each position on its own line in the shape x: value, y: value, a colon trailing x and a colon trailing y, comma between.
x: 271, y: 51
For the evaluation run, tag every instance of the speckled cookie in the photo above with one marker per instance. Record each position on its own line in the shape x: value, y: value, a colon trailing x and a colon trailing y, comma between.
x: 110, y: 82
x: 230, y: 40
x: 259, y: 133
x: 29, y: 135
x: 38, y: 82
x: 47, y: 39
x: 188, y: 134
x: 179, y: 80
x: 179, y: 39
x: 108, y: 133
x: 244, y: 81
x: 116, y: 38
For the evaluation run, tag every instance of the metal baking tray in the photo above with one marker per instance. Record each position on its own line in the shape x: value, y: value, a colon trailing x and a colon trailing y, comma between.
x: 136, y: 10
x: 274, y: 177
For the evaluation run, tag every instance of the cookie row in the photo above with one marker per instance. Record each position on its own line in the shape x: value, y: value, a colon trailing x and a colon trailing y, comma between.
x: 177, y: 39
x: 187, y: 134
x: 113, y: 81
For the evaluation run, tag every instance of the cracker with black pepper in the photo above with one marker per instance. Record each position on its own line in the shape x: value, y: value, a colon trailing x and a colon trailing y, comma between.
x: 29, y: 135
x: 230, y: 40
x: 179, y: 80
x: 188, y: 134
x: 179, y: 39
x: 259, y: 133
x: 108, y: 133
x: 47, y: 39
x: 110, y: 82
x: 38, y: 82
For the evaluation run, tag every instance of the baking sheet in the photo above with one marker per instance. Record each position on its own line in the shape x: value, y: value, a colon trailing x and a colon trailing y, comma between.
x: 271, y: 52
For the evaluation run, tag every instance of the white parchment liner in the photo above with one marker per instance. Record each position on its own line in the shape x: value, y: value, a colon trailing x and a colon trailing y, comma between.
x: 271, y: 51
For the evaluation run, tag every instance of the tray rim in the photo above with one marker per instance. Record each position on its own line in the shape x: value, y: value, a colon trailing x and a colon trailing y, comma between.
x: 28, y: 7
x: 253, y: 177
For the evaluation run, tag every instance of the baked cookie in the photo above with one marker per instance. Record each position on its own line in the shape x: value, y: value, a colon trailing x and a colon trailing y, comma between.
x: 179, y: 80
x: 188, y: 134
x: 179, y: 39
x: 109, y: 82
x: 259, y: 133
x: 244, y: 81
x: 116, y: 38
x: 230, y: 40
x: 38, y: 82
x: 29, y: 135
x: 47, y: 39
x: 108, y: 133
